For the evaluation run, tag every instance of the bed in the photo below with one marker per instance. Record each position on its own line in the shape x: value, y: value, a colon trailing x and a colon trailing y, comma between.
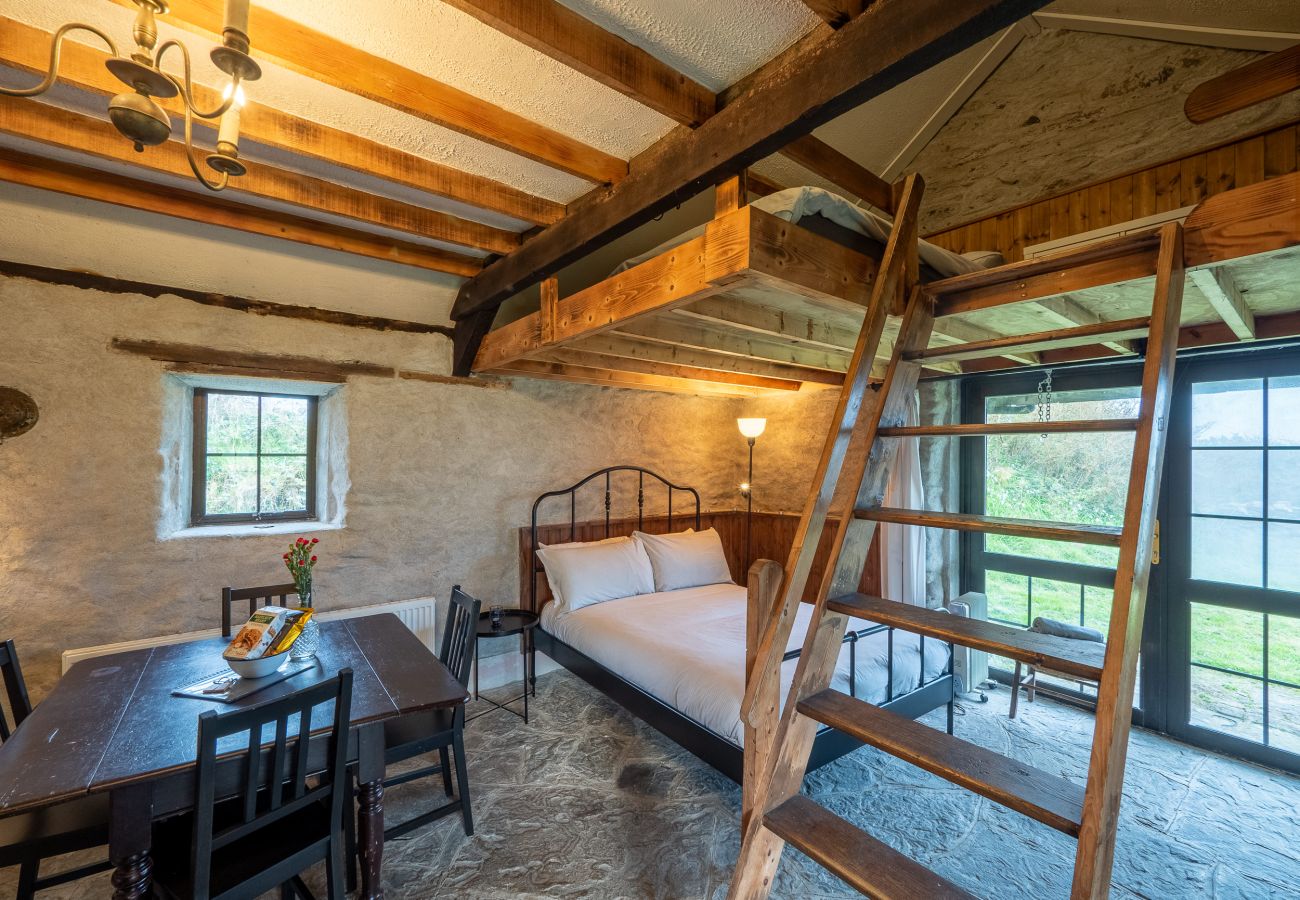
x: 676, y: 658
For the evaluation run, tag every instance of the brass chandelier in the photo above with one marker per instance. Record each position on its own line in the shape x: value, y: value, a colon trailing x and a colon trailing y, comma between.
x: 139, y: 117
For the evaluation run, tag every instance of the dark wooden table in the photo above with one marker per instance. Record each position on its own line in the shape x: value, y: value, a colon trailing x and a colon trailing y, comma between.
x: 112, y: 725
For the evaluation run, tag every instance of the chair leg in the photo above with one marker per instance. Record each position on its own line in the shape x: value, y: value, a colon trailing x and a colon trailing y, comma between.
x: 27, y: 875
x: 446, y: 770
x: 334, y: 867
x: 1032, y: 684
x: 1015, y: 691
x: 350, y: 831
x: 462, y: 782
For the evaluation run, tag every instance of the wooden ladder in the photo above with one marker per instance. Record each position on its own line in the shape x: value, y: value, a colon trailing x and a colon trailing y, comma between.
x: 850, y: 486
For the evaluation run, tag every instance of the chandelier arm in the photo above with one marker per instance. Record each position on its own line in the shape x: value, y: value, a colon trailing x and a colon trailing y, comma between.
x: 56, y: 47
x: 220, y: 183
x: 187, y: 87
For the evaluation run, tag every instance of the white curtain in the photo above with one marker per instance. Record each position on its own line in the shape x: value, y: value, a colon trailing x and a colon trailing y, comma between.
x: 902, y: 547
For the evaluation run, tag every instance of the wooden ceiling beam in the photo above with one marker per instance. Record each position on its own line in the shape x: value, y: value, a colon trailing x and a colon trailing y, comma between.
x: 68, y: 130
x: 822, y: 159
x: 627, y: 347
x: 554, y: 371
x: 669, y: 331
x: 769, y: 322
x: 578, y: 356
x: 889, y: 43
x: 836, y: 13
x: 27, y: 49
x: 1222, y: 293
x: 92, y: 184
x: 331, y: 61
x: 555, y: 30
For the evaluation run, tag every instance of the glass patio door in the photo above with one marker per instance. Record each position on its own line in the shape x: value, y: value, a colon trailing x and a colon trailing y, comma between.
x: 1232, y: 539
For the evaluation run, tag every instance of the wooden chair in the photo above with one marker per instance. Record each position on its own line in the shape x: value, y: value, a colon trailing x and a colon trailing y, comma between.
x: 26, y: 840
x: 287, y: 814
x: 1026, y: 675
x: 441, y: 730
x: 257, y: 597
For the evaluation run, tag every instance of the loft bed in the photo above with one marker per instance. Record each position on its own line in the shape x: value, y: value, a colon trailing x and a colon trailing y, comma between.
x: 669, y: 658
x: 755, y: 304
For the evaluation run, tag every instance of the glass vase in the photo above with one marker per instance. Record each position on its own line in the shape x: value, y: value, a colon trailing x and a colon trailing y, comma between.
x: 307, y: 643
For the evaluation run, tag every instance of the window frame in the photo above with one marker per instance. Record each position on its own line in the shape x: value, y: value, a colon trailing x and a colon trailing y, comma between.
x: 199, y: 516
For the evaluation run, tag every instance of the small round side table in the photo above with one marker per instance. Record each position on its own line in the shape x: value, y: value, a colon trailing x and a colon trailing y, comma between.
x: 513, y: 622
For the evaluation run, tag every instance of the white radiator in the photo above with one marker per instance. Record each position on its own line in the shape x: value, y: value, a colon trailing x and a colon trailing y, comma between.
x: 420, y: 615
x: 970, y: 666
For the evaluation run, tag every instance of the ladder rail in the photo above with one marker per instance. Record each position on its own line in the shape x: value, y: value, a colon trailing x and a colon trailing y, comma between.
x: 1096, y: 849
x: 788, y: 758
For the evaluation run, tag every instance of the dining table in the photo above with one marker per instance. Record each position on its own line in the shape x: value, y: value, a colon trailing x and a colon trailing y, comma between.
x: 112, y: 725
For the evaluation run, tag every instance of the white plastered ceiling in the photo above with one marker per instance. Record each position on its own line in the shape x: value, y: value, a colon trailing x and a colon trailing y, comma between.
x: 714, y: 43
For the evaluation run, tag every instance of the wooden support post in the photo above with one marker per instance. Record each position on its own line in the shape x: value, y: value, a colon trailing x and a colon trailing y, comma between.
x: 550, y: 308
x: 764, y: 587
x: 1222, y: 293
x: 1096, y: 850
x: 730, y: 195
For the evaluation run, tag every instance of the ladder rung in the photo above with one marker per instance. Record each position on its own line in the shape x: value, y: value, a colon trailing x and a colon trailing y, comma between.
x: 1056, y: 339
x: 1040, y: 795
x: 979, y: 429
x: 1105, y: 535
x: 872, y: 867
x: 1079, y: 659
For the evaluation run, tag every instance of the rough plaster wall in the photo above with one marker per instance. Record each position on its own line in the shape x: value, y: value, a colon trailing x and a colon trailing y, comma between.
x: 1068, y: 108
x: 440, y: 474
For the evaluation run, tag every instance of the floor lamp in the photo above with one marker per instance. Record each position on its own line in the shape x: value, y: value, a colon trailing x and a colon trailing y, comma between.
x: 750, y: 429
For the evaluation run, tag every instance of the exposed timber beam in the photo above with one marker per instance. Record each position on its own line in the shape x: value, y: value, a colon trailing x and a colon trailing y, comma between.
x: 821, y: 158
x: 553, y: 29
x: 693, y: 336
x: 27, y: 49
x: 58, y: 127
x: 949, y: 330
x: 626, y: 347
x: 836, y: 13
x: 889, y: 43
x: 785, y: 326
x: 331, y: 61
x: 1221, y: 291
x: 1228, y: 38
x: 1256, y: 82
x: 105, y: 284
x: 1067, y: 312
x: 578, y: 356
x: 555, y: 371
x: 92, y: 184
x: 760, y: 185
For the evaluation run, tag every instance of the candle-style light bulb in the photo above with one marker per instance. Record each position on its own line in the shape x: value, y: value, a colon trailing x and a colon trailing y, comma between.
x: 229, y: 131
x: 237, y: 15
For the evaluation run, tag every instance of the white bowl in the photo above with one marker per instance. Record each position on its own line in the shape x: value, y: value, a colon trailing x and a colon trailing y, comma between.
x: 258, y: 668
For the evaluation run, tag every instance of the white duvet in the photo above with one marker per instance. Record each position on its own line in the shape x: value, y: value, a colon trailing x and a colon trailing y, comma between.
x: 687, y: 649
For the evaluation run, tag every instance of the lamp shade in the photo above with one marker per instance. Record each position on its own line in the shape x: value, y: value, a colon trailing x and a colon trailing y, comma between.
x: 751, y: 428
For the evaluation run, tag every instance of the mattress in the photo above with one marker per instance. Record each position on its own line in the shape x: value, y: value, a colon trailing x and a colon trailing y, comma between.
x: 687, y: 649
x: 798, y: 203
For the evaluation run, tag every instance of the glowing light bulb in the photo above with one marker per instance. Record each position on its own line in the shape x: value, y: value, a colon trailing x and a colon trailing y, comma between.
x: 751, y: 428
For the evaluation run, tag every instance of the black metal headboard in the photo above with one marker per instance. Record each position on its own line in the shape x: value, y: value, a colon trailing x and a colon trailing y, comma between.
x: 572, y: 493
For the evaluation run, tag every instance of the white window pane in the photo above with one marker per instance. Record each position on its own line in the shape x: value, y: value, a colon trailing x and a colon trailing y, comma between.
x: 1228, y: 413
x: 284, y: 484
x: 1008, y: 597
x: 1228, y: 638
x: 1228, y: 551
x: 231, y: 485
x: 1283, y: 556
x: 284, y: 424
x: 1228, y: 482
x: 1284, y: 410
x: 1228, y: 703
x: 1284, y: 648
x: 1284, y: 484
x: 1284, y: 718
x: 232, y: 423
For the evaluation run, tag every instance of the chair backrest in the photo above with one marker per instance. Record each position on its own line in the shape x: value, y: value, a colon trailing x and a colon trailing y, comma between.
x: 275, y: 777
x: 457, y: 652
x: 257, y: 597
x: 20, y: 706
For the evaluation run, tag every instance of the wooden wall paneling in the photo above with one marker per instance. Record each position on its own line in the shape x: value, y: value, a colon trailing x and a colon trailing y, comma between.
x: 1250, y: 162
x: 1121, y: 198
x: 1280, y: 152
x: 1220, y: 170
x: 1168, y: 186
x: 1191, y: 184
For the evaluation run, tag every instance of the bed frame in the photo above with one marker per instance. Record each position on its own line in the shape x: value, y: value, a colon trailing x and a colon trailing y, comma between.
x: 714, y: 749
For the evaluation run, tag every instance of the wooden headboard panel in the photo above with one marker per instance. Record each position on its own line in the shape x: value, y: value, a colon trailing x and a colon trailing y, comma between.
x: 772, y: 537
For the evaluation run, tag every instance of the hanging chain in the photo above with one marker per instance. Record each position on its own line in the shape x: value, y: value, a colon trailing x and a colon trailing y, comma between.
x: 1045, y: 400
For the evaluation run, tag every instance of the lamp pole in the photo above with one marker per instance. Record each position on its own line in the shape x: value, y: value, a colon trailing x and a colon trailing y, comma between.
x: 749, y: 509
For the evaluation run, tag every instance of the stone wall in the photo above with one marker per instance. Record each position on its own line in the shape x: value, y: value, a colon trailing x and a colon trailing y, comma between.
x: 440, y: 474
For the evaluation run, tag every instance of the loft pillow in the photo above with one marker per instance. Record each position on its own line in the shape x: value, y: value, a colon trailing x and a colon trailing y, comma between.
x: 583, y: 574
x: 686, y: 559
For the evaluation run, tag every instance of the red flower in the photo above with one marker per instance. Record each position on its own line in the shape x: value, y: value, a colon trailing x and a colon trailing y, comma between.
x: 313, y: 559
x: 302, y: 562
x: 302, y: 540
x: 315, y: 540
x: 286, y: 556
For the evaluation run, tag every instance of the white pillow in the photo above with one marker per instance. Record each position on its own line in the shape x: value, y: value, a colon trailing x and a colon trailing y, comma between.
x: 686, y: 559
x: 587, y: 573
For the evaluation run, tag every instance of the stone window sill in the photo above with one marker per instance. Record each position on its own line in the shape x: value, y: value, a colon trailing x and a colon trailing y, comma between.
x: 272, y: 528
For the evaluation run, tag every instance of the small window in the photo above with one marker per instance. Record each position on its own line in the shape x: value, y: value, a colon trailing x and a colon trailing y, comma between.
x: 254, y: 457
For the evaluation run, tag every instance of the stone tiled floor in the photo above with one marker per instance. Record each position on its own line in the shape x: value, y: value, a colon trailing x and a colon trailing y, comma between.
x: 587, y: 802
